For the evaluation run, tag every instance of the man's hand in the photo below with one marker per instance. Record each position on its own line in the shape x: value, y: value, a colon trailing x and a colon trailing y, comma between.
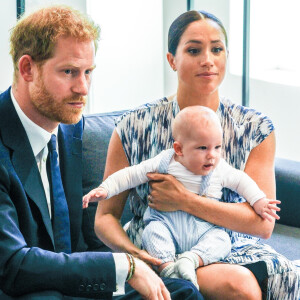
x: 94, y: 195
x: 147, y: 283
x: 267, y: 208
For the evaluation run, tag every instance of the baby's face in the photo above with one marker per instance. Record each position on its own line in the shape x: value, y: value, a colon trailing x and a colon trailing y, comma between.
x: 202, y: 150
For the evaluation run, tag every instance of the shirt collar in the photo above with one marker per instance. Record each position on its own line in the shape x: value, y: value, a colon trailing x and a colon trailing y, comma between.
x: 38, y: 136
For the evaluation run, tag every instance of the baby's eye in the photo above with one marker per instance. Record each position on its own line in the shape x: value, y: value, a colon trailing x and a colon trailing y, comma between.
x: 218, y: 147
x: 202, y: 148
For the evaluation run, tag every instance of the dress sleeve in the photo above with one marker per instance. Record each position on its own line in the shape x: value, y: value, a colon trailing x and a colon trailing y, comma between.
x: 134, y: 129
x: 244, y: 128
x: 264, y: 126
x: 124, y: 129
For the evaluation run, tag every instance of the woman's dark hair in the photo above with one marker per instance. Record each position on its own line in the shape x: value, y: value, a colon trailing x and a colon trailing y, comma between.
x: 180, y: 24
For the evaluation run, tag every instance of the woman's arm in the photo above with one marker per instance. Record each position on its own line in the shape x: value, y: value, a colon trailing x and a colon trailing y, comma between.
x: 168, y: 195
x: 109, y: 211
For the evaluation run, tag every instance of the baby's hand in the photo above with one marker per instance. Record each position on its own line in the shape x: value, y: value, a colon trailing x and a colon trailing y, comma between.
x: 267, y: 208
x: 94, y: 196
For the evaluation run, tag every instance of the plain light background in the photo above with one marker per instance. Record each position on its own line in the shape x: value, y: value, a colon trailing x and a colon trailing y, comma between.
x: 131, y: 60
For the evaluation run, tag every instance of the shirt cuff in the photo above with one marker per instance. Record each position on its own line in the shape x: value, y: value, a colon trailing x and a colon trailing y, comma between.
x: 121, y: 263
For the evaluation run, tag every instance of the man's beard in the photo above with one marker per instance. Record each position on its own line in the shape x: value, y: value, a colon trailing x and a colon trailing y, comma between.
x: 59, y: 111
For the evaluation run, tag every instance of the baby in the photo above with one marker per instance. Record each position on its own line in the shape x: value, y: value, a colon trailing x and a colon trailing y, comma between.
x: 182, y: 241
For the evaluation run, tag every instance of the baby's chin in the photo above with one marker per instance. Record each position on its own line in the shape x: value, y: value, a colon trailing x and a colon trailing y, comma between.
x: 203, y: 172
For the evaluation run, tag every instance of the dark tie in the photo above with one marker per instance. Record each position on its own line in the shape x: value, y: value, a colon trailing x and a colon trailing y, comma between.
x: 60, y: 218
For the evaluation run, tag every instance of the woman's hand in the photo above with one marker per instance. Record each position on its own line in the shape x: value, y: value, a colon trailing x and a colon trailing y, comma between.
x: 147, y: 258
x: 166, y: 193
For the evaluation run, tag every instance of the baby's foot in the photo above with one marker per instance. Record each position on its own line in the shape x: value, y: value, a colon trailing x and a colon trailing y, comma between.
x: 186, y: 265
x: 169, y: 271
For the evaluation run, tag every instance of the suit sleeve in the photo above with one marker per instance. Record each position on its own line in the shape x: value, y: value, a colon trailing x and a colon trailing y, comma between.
x: 25, y: 269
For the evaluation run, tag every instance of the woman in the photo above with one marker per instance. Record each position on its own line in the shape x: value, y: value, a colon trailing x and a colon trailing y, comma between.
x: 198, y: 52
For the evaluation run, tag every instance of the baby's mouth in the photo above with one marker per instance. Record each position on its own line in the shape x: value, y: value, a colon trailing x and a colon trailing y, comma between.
x: 207, y: 166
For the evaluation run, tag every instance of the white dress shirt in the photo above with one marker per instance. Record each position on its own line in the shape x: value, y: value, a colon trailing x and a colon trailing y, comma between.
x: 38, y: 139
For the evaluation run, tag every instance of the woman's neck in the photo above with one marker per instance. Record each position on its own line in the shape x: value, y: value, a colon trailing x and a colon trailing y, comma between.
x: 189, y: 99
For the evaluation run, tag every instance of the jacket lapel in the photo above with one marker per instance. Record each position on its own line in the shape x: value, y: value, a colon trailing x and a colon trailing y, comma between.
x: 22, y: 158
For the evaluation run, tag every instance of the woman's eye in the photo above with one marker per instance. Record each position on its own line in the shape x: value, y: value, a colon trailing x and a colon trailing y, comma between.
x: 193, y: 51
x: 217, y: 49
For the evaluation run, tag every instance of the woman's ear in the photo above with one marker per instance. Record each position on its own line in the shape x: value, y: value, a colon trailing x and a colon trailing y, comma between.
x: 178, y: 148
x: 171, y: 60
x: 26, y: 67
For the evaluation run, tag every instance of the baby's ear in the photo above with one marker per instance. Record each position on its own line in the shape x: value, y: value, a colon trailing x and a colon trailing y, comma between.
x: 177, y: 148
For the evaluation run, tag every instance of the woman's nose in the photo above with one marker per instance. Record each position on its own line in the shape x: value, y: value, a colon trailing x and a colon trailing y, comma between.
x: 206, y: 59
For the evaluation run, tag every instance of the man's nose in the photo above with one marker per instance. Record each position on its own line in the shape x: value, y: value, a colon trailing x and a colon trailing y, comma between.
x: 81, y: 85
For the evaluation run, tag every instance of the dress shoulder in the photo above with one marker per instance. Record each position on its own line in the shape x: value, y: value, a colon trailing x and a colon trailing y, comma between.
x: 142, y: 110
x: 243, y: 127
x: 242, y: 114
x: 143, y: 131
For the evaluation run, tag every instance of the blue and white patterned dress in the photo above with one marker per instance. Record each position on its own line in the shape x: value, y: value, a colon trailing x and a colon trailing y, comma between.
x: 146, y: 131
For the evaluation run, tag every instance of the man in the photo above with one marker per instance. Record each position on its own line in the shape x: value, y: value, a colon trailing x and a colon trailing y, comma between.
x: 53, y: 53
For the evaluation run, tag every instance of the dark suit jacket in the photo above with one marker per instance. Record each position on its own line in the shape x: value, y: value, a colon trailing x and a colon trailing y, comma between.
x: 28, y: 262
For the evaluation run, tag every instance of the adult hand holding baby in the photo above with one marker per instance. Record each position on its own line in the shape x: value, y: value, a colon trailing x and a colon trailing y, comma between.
x: 164, y: 192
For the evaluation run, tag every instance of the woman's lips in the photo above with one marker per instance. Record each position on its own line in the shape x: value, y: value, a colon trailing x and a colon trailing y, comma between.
x: 207, y: 75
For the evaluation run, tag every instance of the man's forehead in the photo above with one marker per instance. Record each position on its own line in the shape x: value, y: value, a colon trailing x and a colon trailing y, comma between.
x: 74, y: 52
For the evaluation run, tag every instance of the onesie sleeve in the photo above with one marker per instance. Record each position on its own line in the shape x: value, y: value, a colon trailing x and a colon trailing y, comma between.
x: 240, y: 182
x: 130, y: 177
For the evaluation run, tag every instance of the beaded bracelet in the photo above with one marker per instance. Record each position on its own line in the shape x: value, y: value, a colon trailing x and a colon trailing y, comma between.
x: 132, y: 266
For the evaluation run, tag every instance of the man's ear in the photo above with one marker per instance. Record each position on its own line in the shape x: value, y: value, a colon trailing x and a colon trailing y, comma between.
x: 178, y: 148
x: 26, y: 67
x: 171, y: 60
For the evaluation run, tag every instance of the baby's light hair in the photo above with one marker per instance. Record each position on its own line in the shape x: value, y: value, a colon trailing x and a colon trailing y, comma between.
x: 188, y: 118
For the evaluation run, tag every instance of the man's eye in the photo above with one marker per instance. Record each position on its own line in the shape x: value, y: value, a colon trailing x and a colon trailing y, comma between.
x: 68, y: 72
